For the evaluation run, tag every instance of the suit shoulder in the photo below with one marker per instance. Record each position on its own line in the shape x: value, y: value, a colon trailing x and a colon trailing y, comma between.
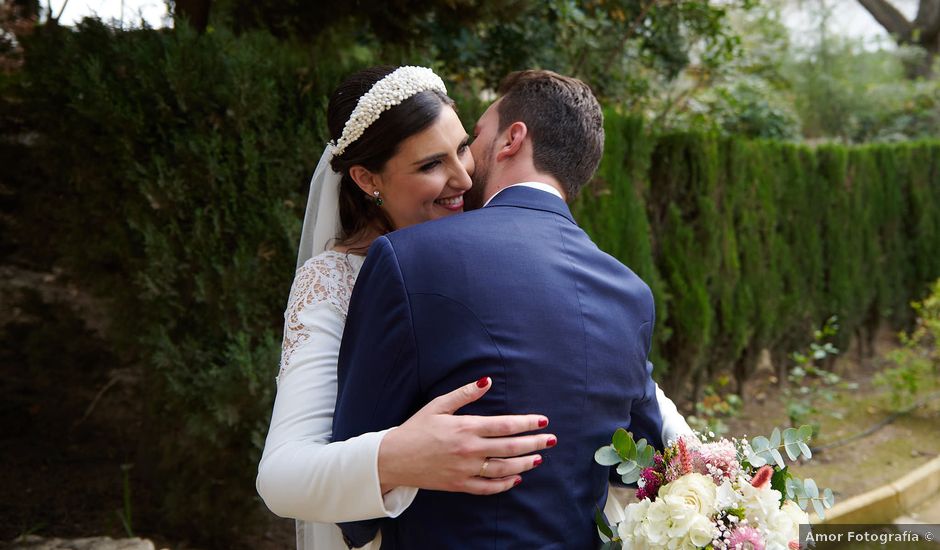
x: 634, y: 284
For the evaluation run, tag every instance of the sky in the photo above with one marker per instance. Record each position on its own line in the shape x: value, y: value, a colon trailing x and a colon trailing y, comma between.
x: 849, y: 18
x: 152, y: 11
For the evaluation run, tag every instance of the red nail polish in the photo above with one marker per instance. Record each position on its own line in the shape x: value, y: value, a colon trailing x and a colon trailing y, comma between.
x: 543, y: 422
x: 537, y: 461
x: 551, y: 442
x: 482, y: 382
x: 517, y: 481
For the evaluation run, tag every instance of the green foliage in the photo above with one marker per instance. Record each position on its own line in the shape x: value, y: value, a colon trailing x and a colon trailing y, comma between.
x: 917, y: 362
x: 809, y: 385
x: 631, y: 457
x: 166, y: 171
x: 714, y: 407
x: 625, y: 49
x: 746, y: 243
x: 841, y: 89
x: 168, y: 175
x: 795, y: 443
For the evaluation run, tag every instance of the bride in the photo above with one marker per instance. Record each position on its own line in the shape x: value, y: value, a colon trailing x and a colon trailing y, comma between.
x: 399, y: 156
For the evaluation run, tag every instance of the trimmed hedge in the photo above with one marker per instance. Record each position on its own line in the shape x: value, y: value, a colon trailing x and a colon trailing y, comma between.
x: 166, y: 171
x: 168, y: 175
x: 750, y: 245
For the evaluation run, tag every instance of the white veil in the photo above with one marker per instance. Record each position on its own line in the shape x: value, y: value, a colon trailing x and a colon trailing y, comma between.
x: 321, y: 219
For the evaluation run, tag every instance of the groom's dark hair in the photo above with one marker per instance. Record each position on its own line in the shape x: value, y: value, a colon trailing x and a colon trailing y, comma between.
x: 563, y: 119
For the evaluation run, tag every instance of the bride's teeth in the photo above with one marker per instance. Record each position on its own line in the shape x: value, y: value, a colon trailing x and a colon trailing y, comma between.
x: 453, y: 201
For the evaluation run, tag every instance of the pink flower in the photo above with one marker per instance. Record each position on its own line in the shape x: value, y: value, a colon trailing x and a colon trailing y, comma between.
x: 652, y: 479
x: 762, y: 477
x: 680, y: 462
x: 793, y: 545
x: 745, y: 538
x: 685, y: 457
x: 719, y: 460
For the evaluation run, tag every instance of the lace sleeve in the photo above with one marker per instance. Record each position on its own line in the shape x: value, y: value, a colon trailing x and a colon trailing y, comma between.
x: 327, y: 281
x: 302, y: 474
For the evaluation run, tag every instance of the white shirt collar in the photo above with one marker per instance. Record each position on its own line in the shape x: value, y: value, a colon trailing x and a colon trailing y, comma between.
x: 534, y: 185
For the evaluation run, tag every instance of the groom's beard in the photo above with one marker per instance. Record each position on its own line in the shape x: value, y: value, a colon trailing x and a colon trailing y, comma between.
x: 473, y: 197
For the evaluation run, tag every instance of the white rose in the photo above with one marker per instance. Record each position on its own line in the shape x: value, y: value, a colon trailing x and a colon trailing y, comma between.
x: 793, y: 510
x: 759, y: 504
x: 725, y: 496
x: 784, y: 525
x: 697, y: 491
x: 702, y: 531
x: 630, y: 529
x: 654, y: 528
x: 681, y: 515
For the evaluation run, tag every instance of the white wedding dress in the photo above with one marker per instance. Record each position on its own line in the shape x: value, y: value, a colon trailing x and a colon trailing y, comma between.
x: 304, y: 476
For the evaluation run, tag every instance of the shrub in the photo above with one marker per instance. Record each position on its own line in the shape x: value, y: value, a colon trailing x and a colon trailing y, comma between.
x: 168, y: 175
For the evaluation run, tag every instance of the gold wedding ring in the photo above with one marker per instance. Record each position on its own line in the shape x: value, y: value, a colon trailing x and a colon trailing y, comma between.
x: 486, y: 462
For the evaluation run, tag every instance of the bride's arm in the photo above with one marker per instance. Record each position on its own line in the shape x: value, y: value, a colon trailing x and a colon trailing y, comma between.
x: 674, y: 424
x: 302, y: 475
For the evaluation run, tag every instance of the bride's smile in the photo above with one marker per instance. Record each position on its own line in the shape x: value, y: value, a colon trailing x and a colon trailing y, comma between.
x: 426, y: 177
x: 454, y: 203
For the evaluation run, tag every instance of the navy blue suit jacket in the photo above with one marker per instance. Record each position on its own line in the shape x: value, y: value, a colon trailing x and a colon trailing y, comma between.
x: 518, y: 292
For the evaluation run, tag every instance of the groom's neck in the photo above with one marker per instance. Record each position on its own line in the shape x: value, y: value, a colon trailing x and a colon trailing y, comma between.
x: 521, y: 176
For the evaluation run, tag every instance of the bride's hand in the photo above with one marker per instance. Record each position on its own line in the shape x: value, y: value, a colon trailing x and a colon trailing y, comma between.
x: 435, y: 449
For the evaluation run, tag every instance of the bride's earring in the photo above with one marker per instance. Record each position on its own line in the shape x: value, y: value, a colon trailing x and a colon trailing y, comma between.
x: 378, y: 199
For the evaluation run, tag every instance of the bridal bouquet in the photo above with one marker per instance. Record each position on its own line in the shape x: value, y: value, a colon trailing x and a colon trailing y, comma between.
x: 717, y: 495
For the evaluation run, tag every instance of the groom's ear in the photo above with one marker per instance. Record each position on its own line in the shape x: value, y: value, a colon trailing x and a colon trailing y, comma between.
x: 513, y: 138
x: 364, y: 178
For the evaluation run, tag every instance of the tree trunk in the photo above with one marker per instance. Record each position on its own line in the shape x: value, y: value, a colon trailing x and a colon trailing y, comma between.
x: 924, y: 31
x: 196, y: 12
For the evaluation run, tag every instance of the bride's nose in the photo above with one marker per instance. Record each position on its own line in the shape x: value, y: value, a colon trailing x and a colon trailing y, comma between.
x: 460, y: 176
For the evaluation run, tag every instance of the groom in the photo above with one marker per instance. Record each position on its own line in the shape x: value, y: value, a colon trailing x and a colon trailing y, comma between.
x: 518, y: 292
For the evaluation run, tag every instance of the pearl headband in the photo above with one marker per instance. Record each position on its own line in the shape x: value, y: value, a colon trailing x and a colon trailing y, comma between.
x: 397, y: 86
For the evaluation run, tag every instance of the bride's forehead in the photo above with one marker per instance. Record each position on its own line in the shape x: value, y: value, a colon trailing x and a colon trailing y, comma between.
x: 446, y: 129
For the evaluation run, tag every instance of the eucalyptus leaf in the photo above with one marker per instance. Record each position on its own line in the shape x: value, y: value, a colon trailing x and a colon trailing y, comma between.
x: 806, y: 432
x: 645, y: 459
x: 818, y: 508
x: 624, y: 444
x: 775, y: 438
x: 607, y: 456
x: 755, y: 460
x: 794, y: 488
x: 760, y: 443
x: 630, y: 477
x: 792, y: 449
x: 811, y: 489
x: 777, y: 458
x: 626, y: 466
x: 828, y: 498
x: 790, y: 435
x: 805, y: 449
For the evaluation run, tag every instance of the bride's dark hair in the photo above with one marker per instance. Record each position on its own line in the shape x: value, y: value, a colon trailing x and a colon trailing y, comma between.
x: 380, y: 141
